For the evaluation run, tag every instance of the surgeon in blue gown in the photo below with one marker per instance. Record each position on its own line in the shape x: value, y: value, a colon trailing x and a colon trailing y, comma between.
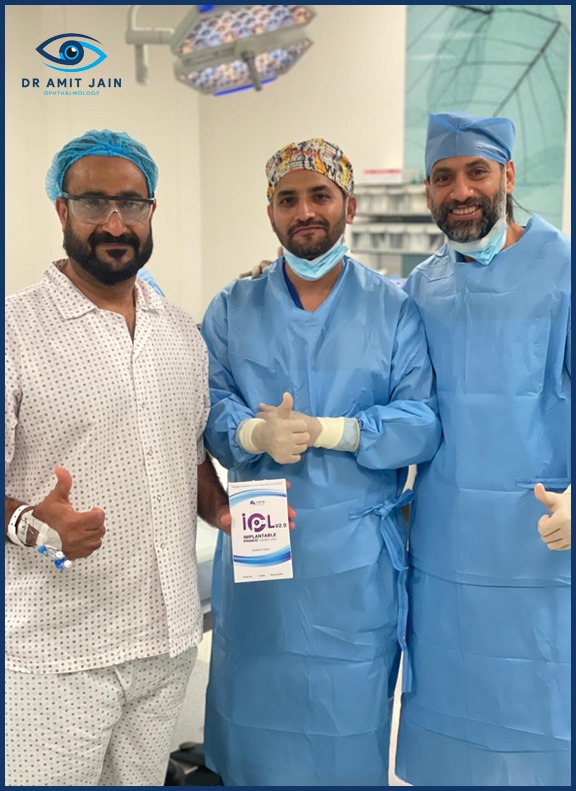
x: 489, y: 625
x: 319, y: 373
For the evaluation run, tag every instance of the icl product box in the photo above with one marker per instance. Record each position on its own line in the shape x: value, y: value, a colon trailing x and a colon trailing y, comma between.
x: 260, y: 531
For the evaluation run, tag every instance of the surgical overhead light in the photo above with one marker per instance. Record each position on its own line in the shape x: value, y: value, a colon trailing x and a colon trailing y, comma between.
x: 226, y: 48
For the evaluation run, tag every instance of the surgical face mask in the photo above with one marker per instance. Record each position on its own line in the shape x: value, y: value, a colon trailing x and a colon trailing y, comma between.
x: 483, y: 250
x: 317, y: 267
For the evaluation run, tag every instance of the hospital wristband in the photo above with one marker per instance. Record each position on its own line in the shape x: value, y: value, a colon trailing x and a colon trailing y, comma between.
x: 244, y: 434
x: 13, y: 523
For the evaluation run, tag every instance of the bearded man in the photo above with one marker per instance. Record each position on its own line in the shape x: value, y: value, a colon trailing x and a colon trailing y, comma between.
x: 109, y: 382
x: 319, y: 373
x: 489, y: 626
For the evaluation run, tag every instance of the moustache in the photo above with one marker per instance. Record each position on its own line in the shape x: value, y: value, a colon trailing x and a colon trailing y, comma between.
x: 309, y: 224
x: 480, y: 201
x: 107, y: 238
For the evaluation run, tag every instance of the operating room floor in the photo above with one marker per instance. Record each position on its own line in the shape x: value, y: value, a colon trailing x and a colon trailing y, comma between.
x: 190, y: 726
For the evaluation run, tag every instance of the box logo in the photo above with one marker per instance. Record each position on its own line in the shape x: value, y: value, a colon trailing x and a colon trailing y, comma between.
x: 256, y: 522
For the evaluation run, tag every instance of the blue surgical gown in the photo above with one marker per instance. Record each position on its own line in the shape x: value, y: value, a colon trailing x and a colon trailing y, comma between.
x: 489, y: 633
x: 303, y: 670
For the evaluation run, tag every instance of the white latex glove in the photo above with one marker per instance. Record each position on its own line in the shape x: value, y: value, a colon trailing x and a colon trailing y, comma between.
x: 333, y: 433
x: 282, y: 437
x: 313, y: 425
x: 555, y: 529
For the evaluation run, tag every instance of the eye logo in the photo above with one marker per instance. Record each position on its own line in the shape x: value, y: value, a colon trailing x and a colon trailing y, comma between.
x: 71, y: 52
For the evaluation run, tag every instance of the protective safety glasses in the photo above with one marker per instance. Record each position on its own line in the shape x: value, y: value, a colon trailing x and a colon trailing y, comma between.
x: 96, y: 209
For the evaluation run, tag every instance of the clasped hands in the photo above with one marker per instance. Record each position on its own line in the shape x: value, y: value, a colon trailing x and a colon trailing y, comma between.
x: 279, y: 431
x: 283, y: 433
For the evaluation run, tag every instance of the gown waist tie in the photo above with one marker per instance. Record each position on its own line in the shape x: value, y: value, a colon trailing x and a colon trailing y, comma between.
x: 395, y: 542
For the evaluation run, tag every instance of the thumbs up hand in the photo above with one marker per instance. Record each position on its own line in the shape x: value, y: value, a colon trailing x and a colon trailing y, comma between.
x: 555, y: 528
x: 279, y: 434
x: 313, y: 425
x: 284, y: 408
x: 80, y: 531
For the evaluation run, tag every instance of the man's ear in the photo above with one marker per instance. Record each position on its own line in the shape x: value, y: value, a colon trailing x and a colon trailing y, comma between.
x: 510, y: 172
x: 351, y: 209
x: 62, y: 211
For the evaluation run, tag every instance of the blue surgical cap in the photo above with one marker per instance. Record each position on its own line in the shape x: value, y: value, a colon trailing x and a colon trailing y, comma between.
x: 102, y: 143
x: 463, y: 135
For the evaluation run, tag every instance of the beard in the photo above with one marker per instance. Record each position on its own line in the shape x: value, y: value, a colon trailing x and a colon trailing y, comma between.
x: 312, y: 248
x: 84, y: 254
x: 472, y: 230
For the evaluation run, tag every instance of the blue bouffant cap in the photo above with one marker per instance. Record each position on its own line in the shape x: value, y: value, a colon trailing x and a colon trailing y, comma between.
x: 102, y: 143
x: 463, y: 135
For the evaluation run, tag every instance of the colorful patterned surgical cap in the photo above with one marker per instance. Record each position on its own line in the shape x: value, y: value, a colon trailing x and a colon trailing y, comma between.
x: 317, y: 155
x: 102, y: 143
x: 463, y: 135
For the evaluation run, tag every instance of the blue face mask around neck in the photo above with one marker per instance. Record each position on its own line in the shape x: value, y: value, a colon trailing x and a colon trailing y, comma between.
x: 316, y: 268
x: 483, y: 250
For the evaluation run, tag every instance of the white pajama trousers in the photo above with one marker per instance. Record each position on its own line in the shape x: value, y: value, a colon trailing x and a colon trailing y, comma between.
x: 110, y: 726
